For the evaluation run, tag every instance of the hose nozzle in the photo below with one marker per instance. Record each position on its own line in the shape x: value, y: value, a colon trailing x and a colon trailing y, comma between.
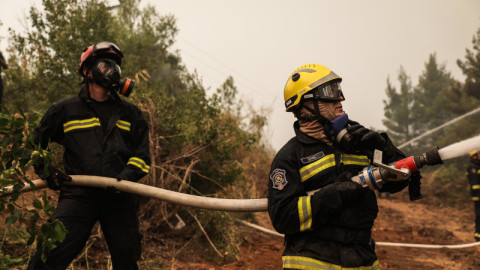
x: 430, y: 158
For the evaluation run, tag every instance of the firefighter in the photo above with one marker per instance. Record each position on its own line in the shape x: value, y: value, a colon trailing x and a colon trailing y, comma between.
x: 102, y: 135
x: 326, y: 217
x: 473, y: 173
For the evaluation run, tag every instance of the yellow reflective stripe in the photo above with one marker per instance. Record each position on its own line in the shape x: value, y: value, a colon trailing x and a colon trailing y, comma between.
x: 348, y: 159
x: 123, y: 125
x: 299, y: 262
x: 305, y: 213
x: 476, y: 234
x: 139, y: 163
x: 317, y: 166
x: 79, y: 124
x: 476, y: 187
x: 475, y: 198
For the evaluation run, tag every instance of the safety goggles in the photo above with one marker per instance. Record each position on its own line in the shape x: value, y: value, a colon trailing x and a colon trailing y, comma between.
x: 105, y: 46
x: 328, y: 92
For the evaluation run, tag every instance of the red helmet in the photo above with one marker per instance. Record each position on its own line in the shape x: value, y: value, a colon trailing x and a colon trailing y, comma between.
x: 105, y: 48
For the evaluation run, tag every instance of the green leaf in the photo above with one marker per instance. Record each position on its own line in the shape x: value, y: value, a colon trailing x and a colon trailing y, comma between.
x: 37, y: 204
x: 12, y: 218
x: 60, y: 232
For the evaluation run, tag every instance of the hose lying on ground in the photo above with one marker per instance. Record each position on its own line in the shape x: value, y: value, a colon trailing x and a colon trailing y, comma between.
x: 388, y: 244
x: 232, y: 205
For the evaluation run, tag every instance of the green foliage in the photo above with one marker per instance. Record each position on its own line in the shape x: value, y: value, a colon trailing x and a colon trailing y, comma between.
x: 430, y: 99
x: 44, y: 61
x: 435, y: 100
x: 449, y: 185
x: 16, y: 148
x: 195, y: 140
x: 398, y: 109
x: 471, y: 68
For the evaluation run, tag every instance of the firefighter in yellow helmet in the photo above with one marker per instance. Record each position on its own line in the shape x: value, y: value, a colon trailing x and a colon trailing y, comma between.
x: 326, y: 217
x: 473, y: 174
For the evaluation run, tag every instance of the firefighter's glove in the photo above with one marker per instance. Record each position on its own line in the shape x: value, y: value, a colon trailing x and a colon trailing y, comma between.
x: 337, y: 124
x: 366, y: 139
x: 350, y: 192
x: 55, y: 178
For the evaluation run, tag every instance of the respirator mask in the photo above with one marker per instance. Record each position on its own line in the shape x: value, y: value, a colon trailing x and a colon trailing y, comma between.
x: 106, y: 72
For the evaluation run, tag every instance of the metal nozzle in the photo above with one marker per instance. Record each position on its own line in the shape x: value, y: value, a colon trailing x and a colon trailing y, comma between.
x: 430, y: 158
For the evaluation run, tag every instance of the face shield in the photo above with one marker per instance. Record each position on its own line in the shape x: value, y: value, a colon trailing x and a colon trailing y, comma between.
x: 106, y: 72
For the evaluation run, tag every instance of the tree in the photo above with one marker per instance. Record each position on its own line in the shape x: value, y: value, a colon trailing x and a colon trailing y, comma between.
x: 431, y: 101
x: 471, y: 68
x: 196, y: 140
x: 438, y: 99
x: 398, y: 109
x: 45, y: 59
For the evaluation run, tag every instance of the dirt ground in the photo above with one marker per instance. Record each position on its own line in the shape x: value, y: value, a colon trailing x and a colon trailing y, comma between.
x: 399, y: 221
x: 425, y: 221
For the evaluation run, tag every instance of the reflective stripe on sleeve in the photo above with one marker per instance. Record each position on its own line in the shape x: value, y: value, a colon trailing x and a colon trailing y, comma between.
x: 475, y: 198
x: 80, y: 124
x: 137, y: 162
x: 349, y: 159
x: 305, y: 213
x: 316, y: 167
x: 299, y: 262
x: 123, y: 125
x: 476, y: 187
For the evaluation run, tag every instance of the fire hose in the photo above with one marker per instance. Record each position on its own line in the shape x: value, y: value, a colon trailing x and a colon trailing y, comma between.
x: 372, y: 177
x: 233, y: 205
x: 388, y: 244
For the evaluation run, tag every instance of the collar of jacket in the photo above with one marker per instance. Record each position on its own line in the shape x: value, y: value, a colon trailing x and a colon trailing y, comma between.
x: 85, y: 95
x: 302, y: 137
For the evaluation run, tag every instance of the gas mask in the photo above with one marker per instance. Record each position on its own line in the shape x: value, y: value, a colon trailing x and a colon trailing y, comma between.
x: 107, y: 73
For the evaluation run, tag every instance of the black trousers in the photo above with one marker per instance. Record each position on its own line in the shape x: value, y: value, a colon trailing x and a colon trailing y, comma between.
x: 117, y: 214
x: 477, y: 216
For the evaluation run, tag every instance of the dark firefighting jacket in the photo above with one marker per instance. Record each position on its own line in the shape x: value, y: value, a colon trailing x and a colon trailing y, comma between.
x: 473, y: 174
x: 121, y: 149
x: 316, y: 226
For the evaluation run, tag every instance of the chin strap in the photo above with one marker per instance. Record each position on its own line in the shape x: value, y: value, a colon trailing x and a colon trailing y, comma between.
x: 315, y: 116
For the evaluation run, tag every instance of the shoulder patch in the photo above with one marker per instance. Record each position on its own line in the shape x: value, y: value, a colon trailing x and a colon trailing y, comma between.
x: 279, y: 178
x: 312, y: 158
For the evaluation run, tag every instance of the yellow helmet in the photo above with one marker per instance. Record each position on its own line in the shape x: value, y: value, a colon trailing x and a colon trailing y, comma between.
x: 471, y: 153
x: 306, y: 78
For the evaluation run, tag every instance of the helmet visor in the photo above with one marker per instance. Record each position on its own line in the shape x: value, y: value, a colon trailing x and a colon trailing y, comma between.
x: 328, y: 92
x: 105, y: 46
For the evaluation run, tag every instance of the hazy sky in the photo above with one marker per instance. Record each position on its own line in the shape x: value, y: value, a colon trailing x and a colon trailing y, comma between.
x: 260, y: 43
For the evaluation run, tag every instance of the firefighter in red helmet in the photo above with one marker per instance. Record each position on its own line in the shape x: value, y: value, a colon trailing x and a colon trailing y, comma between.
x: 326, y: 217
x: 102, y: 135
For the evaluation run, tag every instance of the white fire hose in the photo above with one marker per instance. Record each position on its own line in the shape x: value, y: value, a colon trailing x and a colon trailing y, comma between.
x: 232, y: 205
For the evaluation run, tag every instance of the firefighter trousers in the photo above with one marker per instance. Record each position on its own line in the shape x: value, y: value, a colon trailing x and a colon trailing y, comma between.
x: 117, y: 214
